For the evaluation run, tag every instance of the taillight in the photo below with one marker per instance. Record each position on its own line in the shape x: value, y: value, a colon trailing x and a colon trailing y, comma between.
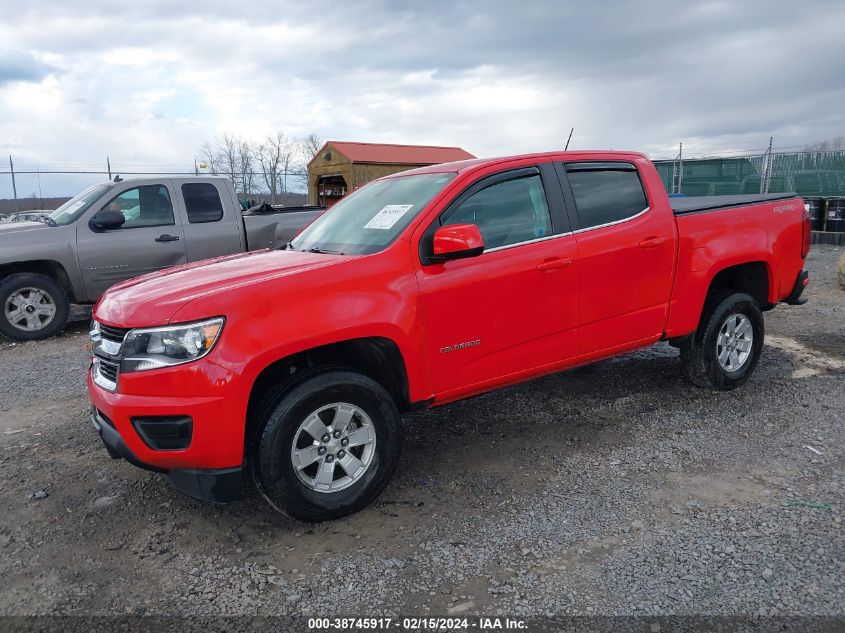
x: 805, y: 232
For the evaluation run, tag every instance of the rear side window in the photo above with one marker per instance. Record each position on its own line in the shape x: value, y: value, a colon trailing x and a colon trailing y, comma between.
x: 202, y: 202
x: 605, y: 195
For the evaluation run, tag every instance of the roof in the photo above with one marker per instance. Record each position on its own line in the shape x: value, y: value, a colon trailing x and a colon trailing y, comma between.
x: 390, y: 153
x: 571, y: 155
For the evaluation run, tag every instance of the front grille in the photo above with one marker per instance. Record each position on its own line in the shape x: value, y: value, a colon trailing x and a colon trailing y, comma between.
x: 113, y: 334
x: 108, y: 370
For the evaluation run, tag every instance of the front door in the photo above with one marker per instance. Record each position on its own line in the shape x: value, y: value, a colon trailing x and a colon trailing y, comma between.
x: 626, y: 251
x: 151, y: 239
x: 514, y: 308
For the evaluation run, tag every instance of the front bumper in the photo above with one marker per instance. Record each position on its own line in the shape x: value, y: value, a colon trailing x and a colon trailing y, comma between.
x: 222, y: 485
x: 210, y: 467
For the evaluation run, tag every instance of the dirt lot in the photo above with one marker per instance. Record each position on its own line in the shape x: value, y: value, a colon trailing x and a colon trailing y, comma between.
x: 615, y: 489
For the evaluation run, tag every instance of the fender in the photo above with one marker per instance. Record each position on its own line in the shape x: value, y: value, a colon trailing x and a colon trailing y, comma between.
x: 72, y: 284
x: 418, y: 385
x: 688, y: 301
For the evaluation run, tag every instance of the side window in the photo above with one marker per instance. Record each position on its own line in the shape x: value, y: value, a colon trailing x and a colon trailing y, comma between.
x: 507, y: 212
x: 143, y: 206
x: 604, y: 195
x: 202, y: 201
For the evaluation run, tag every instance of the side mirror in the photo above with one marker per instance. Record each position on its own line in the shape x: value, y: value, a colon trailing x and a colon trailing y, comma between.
x: 106, y: 219
x: 457, y: 241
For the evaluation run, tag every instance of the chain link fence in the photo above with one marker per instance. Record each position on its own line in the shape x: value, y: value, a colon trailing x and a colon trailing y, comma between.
x: 815, y: 173
x: 25, y: 186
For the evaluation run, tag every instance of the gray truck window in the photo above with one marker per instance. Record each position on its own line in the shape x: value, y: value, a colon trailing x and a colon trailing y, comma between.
x: 202, y: 202
x: 507, y: 212
x: 143, y: 206
x: 606, y: 195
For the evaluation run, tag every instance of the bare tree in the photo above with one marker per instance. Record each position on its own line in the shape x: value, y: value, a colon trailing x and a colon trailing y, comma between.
x: 208, y: 155
x: 288, y: 163
x: 270, y: 159
x: 247, y: 173
x: 309, y: 145
x: 228, y: 156
x: 834, y: 144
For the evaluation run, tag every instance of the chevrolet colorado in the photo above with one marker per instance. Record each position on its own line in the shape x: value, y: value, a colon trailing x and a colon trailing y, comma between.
x: 117, y: 230
x: 417, y: 290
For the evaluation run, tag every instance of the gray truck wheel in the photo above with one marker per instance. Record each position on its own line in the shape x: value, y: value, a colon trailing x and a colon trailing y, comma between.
x: 32, y: 307
x: 724, y: 350
x: 326, y: 445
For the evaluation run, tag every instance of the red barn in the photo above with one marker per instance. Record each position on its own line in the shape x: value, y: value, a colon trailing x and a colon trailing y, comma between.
x: 340, y: 166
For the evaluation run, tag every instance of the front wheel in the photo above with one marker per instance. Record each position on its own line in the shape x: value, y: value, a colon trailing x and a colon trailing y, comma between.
x: 32, y: 307
x: 327, y: 445
x: 724, y: 351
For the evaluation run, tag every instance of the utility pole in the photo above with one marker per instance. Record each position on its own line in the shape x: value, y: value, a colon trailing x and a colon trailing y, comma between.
x: 14, y: 186
x: 108, y: 166
x: 678, y: 170
x: 571, y: 130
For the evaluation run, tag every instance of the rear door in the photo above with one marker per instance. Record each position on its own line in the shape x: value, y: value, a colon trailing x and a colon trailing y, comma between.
x: 625, y: 251
x: 212, y: 228
x: 151, y: 238
x: 514, y: 307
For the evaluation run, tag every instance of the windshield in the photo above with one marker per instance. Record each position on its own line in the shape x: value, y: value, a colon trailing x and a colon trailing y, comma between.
x: 78, y: 205
x: 370, y: 218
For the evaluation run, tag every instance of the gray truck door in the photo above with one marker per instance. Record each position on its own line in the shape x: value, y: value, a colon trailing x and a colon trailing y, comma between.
x: 212, y: 228
x: 152, y: 238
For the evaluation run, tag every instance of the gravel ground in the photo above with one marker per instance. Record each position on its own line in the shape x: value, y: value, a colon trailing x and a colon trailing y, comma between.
x: 613, y: 489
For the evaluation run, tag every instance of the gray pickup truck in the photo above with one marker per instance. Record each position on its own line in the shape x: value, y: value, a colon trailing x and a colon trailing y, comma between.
x: 117, y: 230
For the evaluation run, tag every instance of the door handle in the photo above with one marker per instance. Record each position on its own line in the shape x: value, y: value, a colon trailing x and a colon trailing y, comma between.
x: 554, y: 264
x: 167, y: 238
x: 651, y: 242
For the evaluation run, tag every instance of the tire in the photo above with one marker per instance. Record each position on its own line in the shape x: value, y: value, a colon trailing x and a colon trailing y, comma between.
x: 280, y: 419
x: 22, y: 287
x: 700, y: 356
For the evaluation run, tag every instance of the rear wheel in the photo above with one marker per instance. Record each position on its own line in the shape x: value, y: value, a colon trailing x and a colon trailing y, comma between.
x: 32, y: 307
x: 724, y: 351
x: 326, y: 446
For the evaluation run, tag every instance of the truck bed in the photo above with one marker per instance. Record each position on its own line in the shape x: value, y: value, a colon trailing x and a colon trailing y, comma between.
x: 697, y: 204
x: 271, y: 230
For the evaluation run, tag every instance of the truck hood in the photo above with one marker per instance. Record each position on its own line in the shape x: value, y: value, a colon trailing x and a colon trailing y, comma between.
x: 7, y: 228
x: 153, y: 299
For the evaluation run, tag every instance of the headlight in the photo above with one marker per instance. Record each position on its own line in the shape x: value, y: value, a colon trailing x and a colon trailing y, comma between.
x: 151, y: 348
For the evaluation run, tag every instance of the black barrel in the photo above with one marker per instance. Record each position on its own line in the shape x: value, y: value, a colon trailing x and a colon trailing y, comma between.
x: 817, y: 212
x: 835, y: 215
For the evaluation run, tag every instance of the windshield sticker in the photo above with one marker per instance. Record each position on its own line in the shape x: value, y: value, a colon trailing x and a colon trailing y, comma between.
x: 388, y: 216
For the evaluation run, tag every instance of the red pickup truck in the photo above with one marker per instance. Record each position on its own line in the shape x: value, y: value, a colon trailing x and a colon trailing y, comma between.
x: 420, y: 289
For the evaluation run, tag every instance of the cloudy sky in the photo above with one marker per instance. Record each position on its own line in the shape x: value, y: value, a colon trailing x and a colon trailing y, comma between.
x: 147, y: 82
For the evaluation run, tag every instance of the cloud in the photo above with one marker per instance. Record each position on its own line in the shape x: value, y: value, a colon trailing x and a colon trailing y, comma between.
x: 16, y: 65
x: 149, y: 82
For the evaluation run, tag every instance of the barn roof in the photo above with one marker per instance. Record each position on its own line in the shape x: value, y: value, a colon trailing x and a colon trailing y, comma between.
x: 390, y: 153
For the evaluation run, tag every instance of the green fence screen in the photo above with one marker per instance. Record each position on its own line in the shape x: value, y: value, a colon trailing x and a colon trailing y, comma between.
x: 806, y: 173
